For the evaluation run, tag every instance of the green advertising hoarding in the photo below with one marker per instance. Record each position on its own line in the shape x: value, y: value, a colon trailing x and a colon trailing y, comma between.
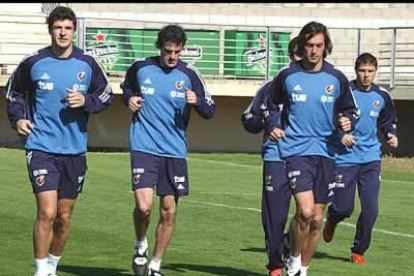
x: 245, y: 53
x: 117, y: 49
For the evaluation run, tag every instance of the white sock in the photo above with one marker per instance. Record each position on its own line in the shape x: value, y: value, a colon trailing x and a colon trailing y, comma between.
x: 53, y: 261
x: 304, y: 270
x: 142, y: 246
x: 155, y: 264
x: 42, y: 268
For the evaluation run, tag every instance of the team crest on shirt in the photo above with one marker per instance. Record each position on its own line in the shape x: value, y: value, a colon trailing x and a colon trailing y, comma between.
x: 81, y: 75
x: 40, y: 180
x: 179, y: 85
x: 376, y: 103
x: 329, y: 89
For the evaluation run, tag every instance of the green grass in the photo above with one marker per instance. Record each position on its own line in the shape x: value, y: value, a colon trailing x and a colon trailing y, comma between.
x: 218, y: 230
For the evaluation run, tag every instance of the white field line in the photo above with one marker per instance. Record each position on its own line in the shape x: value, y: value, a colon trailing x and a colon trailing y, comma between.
x: 260, y: 167
x: 259, y: 211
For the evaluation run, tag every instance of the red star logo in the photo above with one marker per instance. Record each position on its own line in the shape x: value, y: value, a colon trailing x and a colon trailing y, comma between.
x: 262, y: 41
x: 100, y: 37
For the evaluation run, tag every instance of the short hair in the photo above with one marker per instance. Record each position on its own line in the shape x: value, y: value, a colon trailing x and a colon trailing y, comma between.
x: 61, y: 13
x: 366, y: 58
x: 171, y: 33
x: 310, y: 30
x: 293, y: 47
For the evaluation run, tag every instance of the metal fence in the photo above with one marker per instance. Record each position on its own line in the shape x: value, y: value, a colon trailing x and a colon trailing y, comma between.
x: 228, y: 51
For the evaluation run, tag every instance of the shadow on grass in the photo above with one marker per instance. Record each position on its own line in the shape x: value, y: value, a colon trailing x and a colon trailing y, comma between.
x: 317, y: 255
x: 187, y: 269
x: 323, y: 255
x: 93, y: 271
x: 254, y: 249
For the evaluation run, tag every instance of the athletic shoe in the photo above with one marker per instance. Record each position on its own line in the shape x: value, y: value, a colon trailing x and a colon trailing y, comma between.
x: 276, y: 272
x: 140, y: 263
x: 328, y: 231
x: 358, y: 259
x: 154, y: 273
x: 292, y: 271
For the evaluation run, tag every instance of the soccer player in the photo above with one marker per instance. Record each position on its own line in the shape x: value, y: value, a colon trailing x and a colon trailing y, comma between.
x: 50, y: 96
x: 313, y: 94
x: 361, y: 162
x: 276, y: 193
x: 160, y: 91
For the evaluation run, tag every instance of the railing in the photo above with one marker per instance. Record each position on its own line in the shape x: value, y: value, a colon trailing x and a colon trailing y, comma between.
x: 231, y: 52
x: 48, y: 7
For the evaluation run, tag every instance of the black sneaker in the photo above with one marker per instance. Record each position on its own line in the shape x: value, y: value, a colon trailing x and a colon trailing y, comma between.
x: 328, y: 231
x: 154, y: 273
x: 140, y: 263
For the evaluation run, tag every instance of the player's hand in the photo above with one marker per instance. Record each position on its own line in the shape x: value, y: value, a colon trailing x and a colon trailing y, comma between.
x: 24, y: 127
x: 392, y: 140
x: 75, y: 99
x: 190, y: 97
x: 348, y: 140
x: 276, y: 134
x: 135, y: 103
x: 344, y: 123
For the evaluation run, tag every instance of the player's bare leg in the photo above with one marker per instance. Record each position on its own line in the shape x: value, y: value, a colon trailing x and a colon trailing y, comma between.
x: 61, y: 230
x: 299, y: 229
x: 165, y: 229
x: 43, y: 229
x: 144, y: 199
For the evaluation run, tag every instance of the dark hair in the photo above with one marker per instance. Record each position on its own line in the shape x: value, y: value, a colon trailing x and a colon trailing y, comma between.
x: 366, y: 58
x: 310, y: 30
x: 293, y: 48
x: 171, y: 33
x: 61, y: 13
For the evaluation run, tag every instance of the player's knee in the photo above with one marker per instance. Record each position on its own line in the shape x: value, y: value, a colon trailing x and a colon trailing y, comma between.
x: 306, y: 214
x: 143, y: 210
x: 316, y: 223
x: 62, y: 222
x: 346, y: 211
x: 46, y: 215
x: 168, y: 215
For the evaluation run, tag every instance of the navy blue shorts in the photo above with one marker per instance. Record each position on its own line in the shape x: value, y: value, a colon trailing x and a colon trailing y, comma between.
x: 64, y: 173
x: 311, y: 173
x: 167, y: 174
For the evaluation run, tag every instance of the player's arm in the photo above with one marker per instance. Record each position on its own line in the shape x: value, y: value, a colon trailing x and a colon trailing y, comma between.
x: 276, y: 97
x: 253, y: 117
x: 346, y: 109
x: 131, y: 92
x: 387, y: 120
x: 16, y: 91
x: 99, y: 95
x: 199, y: 97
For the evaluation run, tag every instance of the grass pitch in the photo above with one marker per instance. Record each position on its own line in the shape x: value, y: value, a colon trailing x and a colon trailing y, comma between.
x: 218, y: 230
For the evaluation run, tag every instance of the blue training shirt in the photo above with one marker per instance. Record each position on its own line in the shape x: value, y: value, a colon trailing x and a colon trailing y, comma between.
x: 36, y: 91
x: 253, y: 121
x: 376, y: 109
x: 159, y: 127
x: 311, y: 102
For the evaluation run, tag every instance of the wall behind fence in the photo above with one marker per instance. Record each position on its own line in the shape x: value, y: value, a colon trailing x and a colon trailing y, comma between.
x: 223, y: 133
